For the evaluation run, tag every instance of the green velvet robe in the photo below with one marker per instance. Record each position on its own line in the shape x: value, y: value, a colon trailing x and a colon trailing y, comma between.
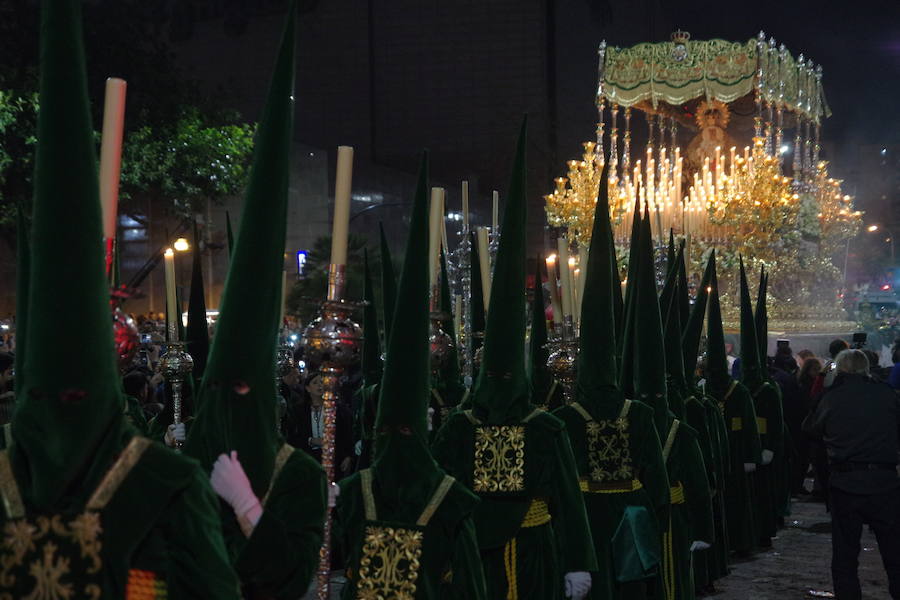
x: 450, y: 565
x: 691, y: 517
x: 162, y: 521
x: 605, y: 511
x: 280, y: 557
x: 719, y: 554
x: 767, y: 479
x: 743, y: 448
x: 696, y: 416
x: 544, y: 553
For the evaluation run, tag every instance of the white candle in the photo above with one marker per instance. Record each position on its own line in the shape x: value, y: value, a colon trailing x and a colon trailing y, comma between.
x: 554, y: 290
x: 111, y: 153
x: 495, y: 211
x: 434, y: 234
x: 171, y: 299
x: 562, y: 251
x: 582, y: 277
x: 484, y: 264
x: 342, y: 186
x: 465, y: 203
x: 573, y: 286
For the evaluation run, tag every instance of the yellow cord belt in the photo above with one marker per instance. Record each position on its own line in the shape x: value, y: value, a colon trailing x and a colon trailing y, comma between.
x: 616, y: 487
x: 676, y: 494
x: 538, y: 514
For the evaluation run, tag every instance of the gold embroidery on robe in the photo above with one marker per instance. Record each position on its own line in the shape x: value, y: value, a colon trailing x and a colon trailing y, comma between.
x: 609, y: 453
x: 499, y: 458
x: 389, y: 566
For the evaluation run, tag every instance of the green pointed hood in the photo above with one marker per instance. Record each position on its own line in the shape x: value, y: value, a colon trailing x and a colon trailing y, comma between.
x: 630, y: 276
x: 23, y: 263
x: 717, y: 376
x: 667, y: 295
x: 402, y: 460
x: 502, y: 391
x: 538, y: 374
x: 617, y: 300
x: 237, y: 407
x: 751, y: 374
x: 681, y: 297
x: 197, y: 332
x: 649, y: 342
x: 388, y: 284
x: 229, y: 233
x: 597, y: 382
x: 693, y: 330
x: 371, y: 355
x: 761, y: 318
x: 670, y: 251
x: 68, y: 422
x: 476, y: 306
x: 676, y: 382
x: 626, y: 371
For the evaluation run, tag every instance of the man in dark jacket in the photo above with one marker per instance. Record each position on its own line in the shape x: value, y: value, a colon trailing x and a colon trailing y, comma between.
x: 858, y: 421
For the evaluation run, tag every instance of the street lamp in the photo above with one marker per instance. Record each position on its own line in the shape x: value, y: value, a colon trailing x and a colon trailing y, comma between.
x: 873, y: 228
x: 182, y: 245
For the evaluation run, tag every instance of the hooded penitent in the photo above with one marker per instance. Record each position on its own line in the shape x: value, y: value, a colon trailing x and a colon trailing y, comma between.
x: 626, y: 370
x: 388, y: 284
x: 197, y: 332
x: 502, y: 392
x: 677, y: 385
x: 761, y: 319
x: 693, y: 329
x: 649, y: 345
x: 717, y: 376
x: 371, y: 355
x: 403, y: 464
x: 597, y: 374
x: 751, y: 371
x: 630, y: 276
x: 237, y: 397
x: 68, y: 423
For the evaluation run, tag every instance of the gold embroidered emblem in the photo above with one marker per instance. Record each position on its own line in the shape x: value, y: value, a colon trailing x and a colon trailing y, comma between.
x: 499, y: 458
x: 31, y: 558
x: 389, y: 566
x: 609, y: 453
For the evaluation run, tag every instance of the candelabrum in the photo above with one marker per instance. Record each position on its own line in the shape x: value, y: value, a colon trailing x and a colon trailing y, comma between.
x: 463, y: 262
x: 334, y: 342
x: 176, y: 366
x: 494, y: 245
x: 563, y: 349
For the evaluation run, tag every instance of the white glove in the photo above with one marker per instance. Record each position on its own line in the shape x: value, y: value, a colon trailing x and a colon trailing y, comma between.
x: 334, y: 490
x: 430, y: 418
x: 698, y: 545
x: 230, y: 482
x: 578, y: 584
x: 749, y: 467
x: 175, y: 434
x: 767, y: 456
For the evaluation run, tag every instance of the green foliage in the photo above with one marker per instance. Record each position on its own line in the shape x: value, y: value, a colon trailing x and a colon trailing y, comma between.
x: 18, y: 126
x: 187, y: 160
x: 305, y: 295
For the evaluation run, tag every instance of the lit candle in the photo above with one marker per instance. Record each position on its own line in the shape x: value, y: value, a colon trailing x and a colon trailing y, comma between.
x: 554, y: 290
x: 562, y: 252
x: 484, y: 263
x: 342, y: 186
x: 171, y: 300
x: 465, y: 203
x: 434, y: 234
x: 111, y: 153
x: 495, y: 214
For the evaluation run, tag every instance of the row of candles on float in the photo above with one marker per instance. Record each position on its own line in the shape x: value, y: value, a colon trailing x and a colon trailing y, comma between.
x: 658, y: 184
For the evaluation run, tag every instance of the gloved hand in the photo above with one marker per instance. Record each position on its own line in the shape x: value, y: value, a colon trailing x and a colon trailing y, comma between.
x: 767, y: 456
x: 578, y: 584
x: 230, y: 482
x: 430, y: 418
x: 334, y: 490
x: 698, y: 545
x: 749, y: 467
x: 175, y: 433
